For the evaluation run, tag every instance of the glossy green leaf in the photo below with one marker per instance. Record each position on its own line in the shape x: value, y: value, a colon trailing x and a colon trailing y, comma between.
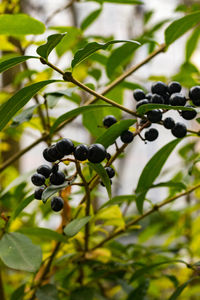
x: 90, y: 48
x: 119, y: 200
x: 151, y: 172
x: 24, y: 116
x: 16, y: 102
x: 75, y: 112
x: 99, y: 169
x: 21, y: 206
x: 113, y: 132
x: 47, y: 292
x: 51, y: 190
x: 177, y: 28
x: 90, y: 19
x: 75, y: 226
x: 146, y: 107
x: 9, y: 63
x: 192, y: 43
x: 20, y: 24
x: 18, y: 252
x: 52, y: 41
x: 180, y: 289
x: 43, y: 233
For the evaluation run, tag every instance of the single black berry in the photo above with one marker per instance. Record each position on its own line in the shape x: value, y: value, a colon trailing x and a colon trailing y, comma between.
x: 57, y: 203
x: 179, y: 130
x: 127, y: 136
x: 109, y: 121
x: 57, y: 178
x: 47, y: 156
x: 55, y: 168
x: 168, y: 123
x: 177, y: 99
x: 194, y: 95
x: 157, y: 99
x: 159, y: 87
x: 110, y: 171
x: 174, y: 87
x: 65, y: 147
x: 142, y: 102
x: 53, y: 152
x: 188, y: 114
x: 38, y: 179
x: 151, y: 135
x: 45, y: 170
x: 38, y: 193
x: 81, y: 152
x: 148, y: 96
x: 154, y: 115
x: 96, y: 153
x: 138, y: 94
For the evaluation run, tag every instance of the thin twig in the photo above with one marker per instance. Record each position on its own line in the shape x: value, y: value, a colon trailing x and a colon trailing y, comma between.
x: 59, y: 10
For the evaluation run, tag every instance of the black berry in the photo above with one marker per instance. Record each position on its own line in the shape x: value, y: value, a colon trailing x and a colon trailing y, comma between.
x: 194, y: 95
x: 142, y: 102
x: 157, y: 99
x: 166, y: 98
x: 177, y: 100
x: 45, y: 170
x: 168, y: 123
x: 65, y: 147
x: 174, y: 87
x: 179, y: 130
x: 53, y: 152
x: 47, y: 156
x: 38, y: 179
x: 138, y: 94
x: 96, y: 153
x: 38, y: 193
x: 151, y: 135
x: 154, y: 115
x: 81, y: 152
x: 148, y: 96
x: 109, y: 121
x: 127, y: 136
x: 57, y: 178
x: 110, y: 171
x: 57, y: 203
x: 159, y: 87
x: 188, y: 114
x: 55, y: 168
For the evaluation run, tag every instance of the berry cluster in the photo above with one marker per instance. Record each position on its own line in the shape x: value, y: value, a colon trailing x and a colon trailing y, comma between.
x: 170, y: 95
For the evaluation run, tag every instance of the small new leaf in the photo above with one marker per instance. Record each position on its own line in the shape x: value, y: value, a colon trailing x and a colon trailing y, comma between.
x: 52, y: 41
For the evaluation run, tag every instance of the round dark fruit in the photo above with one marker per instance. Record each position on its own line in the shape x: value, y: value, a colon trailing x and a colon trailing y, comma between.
x: 179, y: 130
x: 142, y: 102
x: 138, y: 94
x: 110, y: 171
x: 47, y: 156
x: 65, y: 147
x: 38, y: 193
x: 45, y: 170
x: 154, y: 116
x: 127, y: 137
x: 96, y: 153
x: 157, y: 99
x: 148, y: 96
x: 188, y: 114
x: 177, y: 100
x: 194, y: 95
x: 174, y: 87
x: 57, y: 203
x: 159, y: 87
x: 81, y: 152
x: 109, y: 121
x: 166, y: 98
x: 38, y: 179
x: 168, y: 123
x: 55, y: 168
x: 57, y: 178
x: 151, y: 135
x: 53, y: 152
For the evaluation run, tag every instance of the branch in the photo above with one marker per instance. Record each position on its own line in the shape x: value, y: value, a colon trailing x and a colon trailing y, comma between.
x: 59, y: 10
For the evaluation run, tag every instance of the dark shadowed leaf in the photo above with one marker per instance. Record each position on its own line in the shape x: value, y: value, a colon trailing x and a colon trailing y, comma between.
x: 24, y: 116
x: 51, y: 190
x: 22, y: 205
x: 180, y: 289
x: 82, y: 293
x: 52, y: 41
x: 18, y: 294
x: 47, y: 292
x: 9, y: 63
x: 75, y: 226
x: 146, y: 107
x: 99, y: 169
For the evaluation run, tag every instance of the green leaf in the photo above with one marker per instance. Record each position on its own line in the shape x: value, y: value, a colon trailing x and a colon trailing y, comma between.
x: 82, y: 293
x: 52, y: 41
x: 20, y: 24
x: 177, y: 28
x: 146, y: 107
x: 178, y: 185
x: 21, y: 206
x: 119, y: 200
x: 75, y: 226
x: 9, y: 63
x: 180, y: 289
x: 47, y: 292
x: 113, y: 132
x: 141, y: 291
x: 53, y: 98
x: 44, y: 233
x: 73, y: 113
x: 99, y: 169
x: 151, y: 172
x: 90, y: 19
x: 52, y: 189
x: 192, y: 43
x: 16, y: 102
x: 18, y: 294
x: 24, y: 116
x: 18, y: 252
x: 90, y: 48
